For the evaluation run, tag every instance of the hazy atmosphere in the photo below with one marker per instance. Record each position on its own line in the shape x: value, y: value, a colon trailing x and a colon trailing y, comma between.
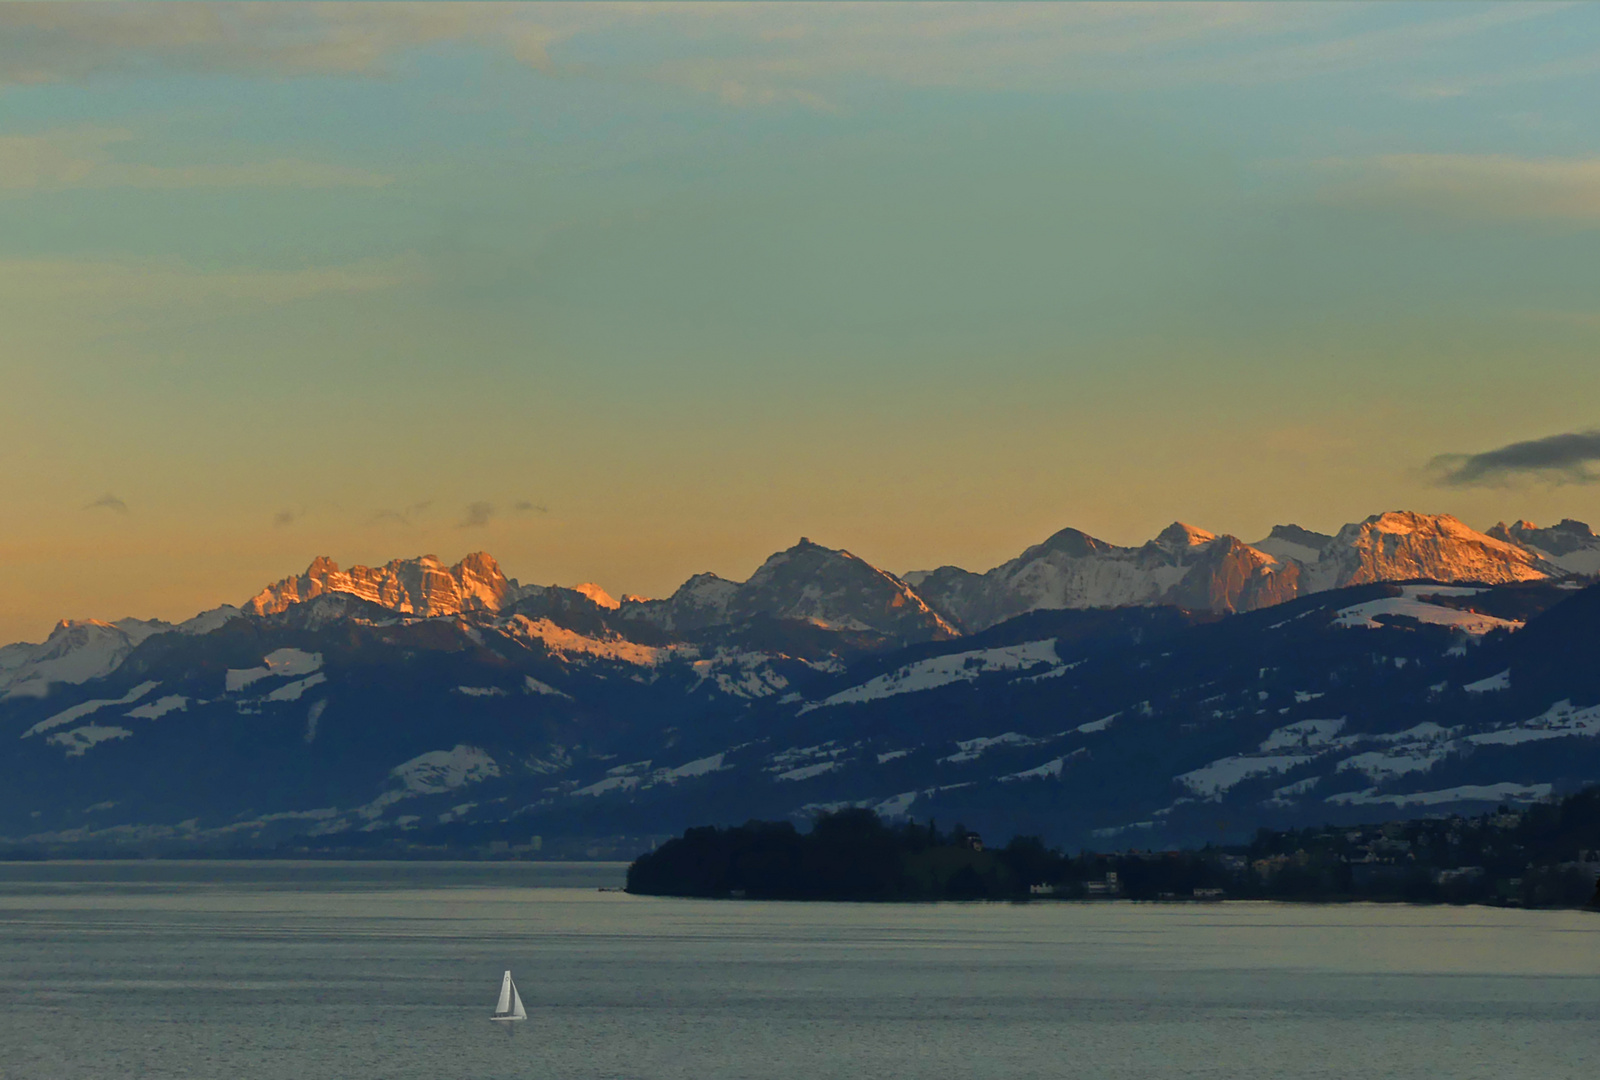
x: 627, y: 293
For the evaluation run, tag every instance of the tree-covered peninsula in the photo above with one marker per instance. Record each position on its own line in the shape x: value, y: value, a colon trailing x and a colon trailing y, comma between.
x: 1545, y: 856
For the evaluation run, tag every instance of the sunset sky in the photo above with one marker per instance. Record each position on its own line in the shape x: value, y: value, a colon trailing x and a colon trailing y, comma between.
x: 626, y: 293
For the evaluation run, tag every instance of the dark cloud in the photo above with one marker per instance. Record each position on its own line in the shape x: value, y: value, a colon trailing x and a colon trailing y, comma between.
x: 283, y: 517
x: 526, y: 507
x: 476, y: 515
x: 1559, y: 458
x: 110, y: 502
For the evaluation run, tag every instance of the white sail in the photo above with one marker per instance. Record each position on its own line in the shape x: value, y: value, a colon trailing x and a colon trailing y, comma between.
x: 517, y: 1011
x: 506, y: 990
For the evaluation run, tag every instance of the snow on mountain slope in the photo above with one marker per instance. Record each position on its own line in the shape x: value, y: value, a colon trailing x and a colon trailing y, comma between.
x: 943, y: 670
x: 826, y: 588
x: 79, y: 711
x: 569, y: 644
x: 1403, y: 546
x: 597, y: 594
x: 159, y: 707
x: 1460, y: 797
x: 78, y: 650
x: 79, y: 741
x: 1571, y: 545
x: 1214, y: 780
x: 973, y: 749
x: 1557, y: 722
x: 1198, y: 570
x: 700, y: 602
x: 1413, y: 604
x: 1303, y: 733
x: 739, y: 674
x: 628, y: 782
x: 279, y: 662
x: 443, y: 770
x: 1291, y: 543
x: 1184, y: 566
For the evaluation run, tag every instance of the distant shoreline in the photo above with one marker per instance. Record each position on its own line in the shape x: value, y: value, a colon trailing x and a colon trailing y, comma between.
x: 1548, y: 857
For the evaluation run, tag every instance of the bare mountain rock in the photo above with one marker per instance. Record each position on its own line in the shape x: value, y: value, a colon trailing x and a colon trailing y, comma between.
x: 1571, y: 545
x: 1403, y: 545
x: 423, y: 586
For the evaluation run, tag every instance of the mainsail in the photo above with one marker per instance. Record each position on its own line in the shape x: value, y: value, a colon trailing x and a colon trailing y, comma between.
x: 509, y: 1007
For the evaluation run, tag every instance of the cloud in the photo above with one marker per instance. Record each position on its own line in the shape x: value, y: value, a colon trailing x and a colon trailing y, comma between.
x: 476, y: 515
x: 79, y: 296
x: 747, y: 55
x: 797, y: 53
x: 1472, y: 186
x: 110, y: 502
x: 83, y: 158
x: 526, y: 507
x: 283, y: 517
x: 1555, y: 459
x: 404, y: 516
x: 51, y: 43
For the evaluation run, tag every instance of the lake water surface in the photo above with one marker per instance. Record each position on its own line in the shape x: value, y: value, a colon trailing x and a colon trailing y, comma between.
x: 319, y: 971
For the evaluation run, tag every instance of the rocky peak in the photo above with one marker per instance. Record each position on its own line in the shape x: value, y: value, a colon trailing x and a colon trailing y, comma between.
x: 421, y: 586
x: 1295, y: 534
x: 1562, y: 539
x: 1291, y: 544
x: 837, y: 590
x: 597, y: 594
x: 1571, y: 545
x: 1073, y: 543
x: 1180, y: 536
x: 1229, y: 575
x: 827, y: 588
x: 1402, y: 545
x: 76, y: 650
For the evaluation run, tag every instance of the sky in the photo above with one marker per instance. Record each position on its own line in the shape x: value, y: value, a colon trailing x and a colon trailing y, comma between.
x: 626, y: 293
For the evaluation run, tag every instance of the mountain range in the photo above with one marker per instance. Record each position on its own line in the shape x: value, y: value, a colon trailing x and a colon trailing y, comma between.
x: 1194, y: 686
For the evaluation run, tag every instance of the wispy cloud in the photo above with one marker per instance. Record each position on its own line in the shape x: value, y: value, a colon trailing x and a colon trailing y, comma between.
x: 61, y: 42
x: 1474, y: 186
x: 405, y: 516
x: 112, y: 291
x: 284, y: 517
x: 84, y: 158
x: 110, y: 502
x: 476, y: 515
x: 756, y: 54
x: 1581, y: 65
x: 1555, y: 459
x: 525, y: 506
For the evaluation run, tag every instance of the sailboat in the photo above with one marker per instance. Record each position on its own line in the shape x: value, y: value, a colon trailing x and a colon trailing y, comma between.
x: 510, y: 1004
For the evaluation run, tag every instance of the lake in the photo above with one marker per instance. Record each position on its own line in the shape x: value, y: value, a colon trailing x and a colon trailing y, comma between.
x: 341, y: 971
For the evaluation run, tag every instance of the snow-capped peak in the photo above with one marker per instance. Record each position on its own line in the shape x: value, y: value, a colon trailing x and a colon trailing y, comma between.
x: 598, y: 595
x: 1180, y: 535
x: 1401, y: 545
x: 1571, y: 545
x: 78, y: 650
x: 830, y: 589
